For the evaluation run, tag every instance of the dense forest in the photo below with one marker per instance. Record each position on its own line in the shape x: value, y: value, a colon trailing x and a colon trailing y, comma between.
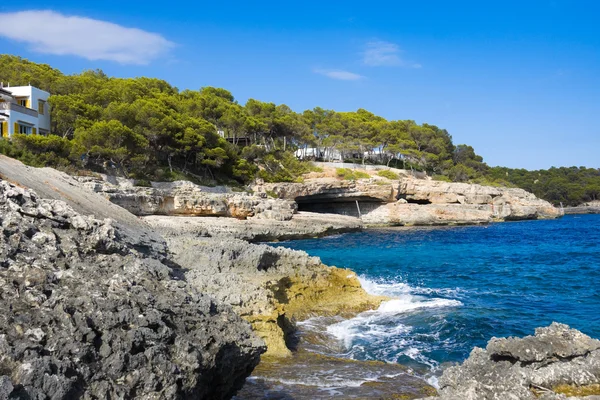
x: 147, y: 129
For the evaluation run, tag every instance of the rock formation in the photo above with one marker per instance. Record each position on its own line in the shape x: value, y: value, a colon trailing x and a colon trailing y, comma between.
x: 411, y: 201
x: 91, y: 312
x: 269, y: 287
x: 591, y: 207
x: 557, y: 361
x: 303, y: 225
x: 189, y: 199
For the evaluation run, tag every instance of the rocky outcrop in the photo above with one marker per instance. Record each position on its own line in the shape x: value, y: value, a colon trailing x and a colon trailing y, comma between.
x: 411, y: 201
x: 269, y: 287
x: 90, y: 311
x: 303, y: 225
x: 503, y: 203
x: 405, y: 214
x: 331, y: 189
x: 187, y: 198
x: 557, y: 361
x: 591, y: 207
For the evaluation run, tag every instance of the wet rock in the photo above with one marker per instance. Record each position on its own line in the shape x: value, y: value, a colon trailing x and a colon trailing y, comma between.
x: 542, y: 366
x: 269, y: 287
x: 86, y: 314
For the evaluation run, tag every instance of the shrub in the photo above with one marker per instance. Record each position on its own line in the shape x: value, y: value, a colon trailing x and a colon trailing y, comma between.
x: 442, y: 178
x: 388, y: 174
x: 351, y: 175
x: 143, y: 183
x: 283, y: 167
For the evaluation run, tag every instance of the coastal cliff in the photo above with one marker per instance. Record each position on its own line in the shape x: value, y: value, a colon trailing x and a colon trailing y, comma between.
x: 410, y: 201
x: 320, y: 205
x: 198, y: 303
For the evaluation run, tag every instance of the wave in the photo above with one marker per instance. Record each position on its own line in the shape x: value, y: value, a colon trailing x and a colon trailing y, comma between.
x: 394, y: 289
x: 330, y: 382
x: 380, y: 332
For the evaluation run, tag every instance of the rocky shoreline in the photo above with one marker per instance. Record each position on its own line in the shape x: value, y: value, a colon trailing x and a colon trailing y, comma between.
x: 556, y: 363
x: 113, y: 290
x: 592, y: 207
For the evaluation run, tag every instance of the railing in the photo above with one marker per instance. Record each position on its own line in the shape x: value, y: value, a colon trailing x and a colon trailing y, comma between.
x: 18, y: 108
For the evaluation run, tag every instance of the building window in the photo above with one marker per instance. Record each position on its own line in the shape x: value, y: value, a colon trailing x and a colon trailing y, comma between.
x: 23, y: 103
x: 41, y: 107
x: 24, y: 129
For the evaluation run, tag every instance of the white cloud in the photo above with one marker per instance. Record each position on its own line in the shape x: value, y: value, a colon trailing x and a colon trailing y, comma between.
x: 338, y: 74
x: 52, y: 33
x: 380, y: 53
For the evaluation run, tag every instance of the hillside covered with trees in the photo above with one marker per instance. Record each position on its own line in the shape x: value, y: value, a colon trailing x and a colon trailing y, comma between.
x: 147, y: 129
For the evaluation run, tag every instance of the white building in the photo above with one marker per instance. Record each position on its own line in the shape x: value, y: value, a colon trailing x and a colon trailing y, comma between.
x: 24, y: 109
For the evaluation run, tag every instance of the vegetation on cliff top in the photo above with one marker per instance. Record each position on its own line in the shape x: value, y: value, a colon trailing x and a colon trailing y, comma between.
x: 147, y: 129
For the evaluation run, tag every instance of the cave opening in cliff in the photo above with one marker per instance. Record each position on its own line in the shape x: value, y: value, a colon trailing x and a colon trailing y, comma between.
x: 422, y: 202
x: 347, y: 207
x: 414, y: 201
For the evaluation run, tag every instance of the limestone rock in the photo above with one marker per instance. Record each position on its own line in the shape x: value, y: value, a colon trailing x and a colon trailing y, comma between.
x: 303, y: 225
x: 187, y: 198
x: 401, y: 213
x: 332, y: 189
x: 411, y: 201
x: 88, y: 312
x: 269, y: 287
x: 556, y: 360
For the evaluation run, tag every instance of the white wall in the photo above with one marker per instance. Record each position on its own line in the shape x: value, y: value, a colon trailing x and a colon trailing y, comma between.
x: 34, y: 94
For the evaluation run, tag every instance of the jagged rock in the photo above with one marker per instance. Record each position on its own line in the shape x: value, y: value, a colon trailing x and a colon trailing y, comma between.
x: 549, y: 364
x: 88, y: 312
x: 269, y: 287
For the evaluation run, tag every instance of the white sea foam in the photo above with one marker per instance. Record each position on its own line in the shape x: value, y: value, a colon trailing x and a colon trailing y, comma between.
x: 409, y: 303
x: 384, y: 288
x: 382, y: 328
x: 314, y: 381
x: 433, y: 381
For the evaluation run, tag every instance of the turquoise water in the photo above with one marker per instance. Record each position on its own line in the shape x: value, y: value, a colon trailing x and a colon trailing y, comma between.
x: 454, y: 288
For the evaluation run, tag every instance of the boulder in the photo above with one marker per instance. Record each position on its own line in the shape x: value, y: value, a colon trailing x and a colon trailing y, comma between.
x: 557, y: 361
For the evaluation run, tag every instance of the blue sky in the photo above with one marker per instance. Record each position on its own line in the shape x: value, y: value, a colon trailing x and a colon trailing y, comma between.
x: 517, y: 80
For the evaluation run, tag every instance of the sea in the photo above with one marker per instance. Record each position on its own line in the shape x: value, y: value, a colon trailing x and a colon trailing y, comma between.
x: 452, y: 288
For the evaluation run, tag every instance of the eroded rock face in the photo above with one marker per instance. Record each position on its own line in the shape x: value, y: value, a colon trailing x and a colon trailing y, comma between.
x: 332, y: 189
x: 502, y: 203
x: 186, y: 198
x: 541, y: 366
x: 269, y: 287
x: 411, y: 201
x: 86, y: 315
